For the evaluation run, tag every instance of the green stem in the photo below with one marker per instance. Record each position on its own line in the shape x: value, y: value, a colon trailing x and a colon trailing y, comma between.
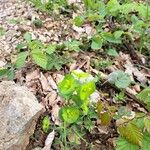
x: 80, y: 136
x: 65, y: 136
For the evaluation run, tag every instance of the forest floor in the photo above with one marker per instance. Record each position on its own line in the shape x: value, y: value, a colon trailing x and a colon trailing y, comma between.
x: 16, y: 19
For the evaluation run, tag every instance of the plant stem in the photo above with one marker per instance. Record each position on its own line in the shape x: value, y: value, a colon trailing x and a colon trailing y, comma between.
x: 65, y: 135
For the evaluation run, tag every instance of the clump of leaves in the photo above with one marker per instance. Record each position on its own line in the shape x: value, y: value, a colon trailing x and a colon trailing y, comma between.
x: 49, y: 5
x: 38, y: 23
x: 76, y: 89
x: 45, y: 56
x: 120, y: 79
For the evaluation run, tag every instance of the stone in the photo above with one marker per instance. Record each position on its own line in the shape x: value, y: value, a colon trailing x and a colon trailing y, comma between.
x: 19, y: 111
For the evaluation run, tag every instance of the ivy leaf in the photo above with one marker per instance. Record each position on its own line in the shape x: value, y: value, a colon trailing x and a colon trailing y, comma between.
x: 123, y: 144
x: 67, y: 86
x: 86, y: 90
x: 69, y: 114
x: 39, y: 58
x: 119, y: 78
x: 21, y: 58
x: 46, y: 124
x: 97, y: 42
x: 147, y: 123
x: 132, y: 133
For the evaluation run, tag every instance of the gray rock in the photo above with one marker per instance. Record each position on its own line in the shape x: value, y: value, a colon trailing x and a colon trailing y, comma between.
x: 19, y: 111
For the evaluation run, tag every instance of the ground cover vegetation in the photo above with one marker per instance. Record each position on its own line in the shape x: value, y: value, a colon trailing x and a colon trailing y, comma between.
x: 119, y: 27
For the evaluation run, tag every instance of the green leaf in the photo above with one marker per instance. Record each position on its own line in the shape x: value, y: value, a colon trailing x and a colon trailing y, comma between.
x: 67, y: 86
x: 132, y: 133
x: 79, y: 21
x: 28, y: 36
x: 113, y: 7
x: 46, y: 124
x: 50, y: 49
x: 86, y: 90
x: 118, y: 34
x: 2, y: 31
x: 21, y: 58
x: 97, y: 42
x: 39, y: 58
x: 69, y: 114
x: 119, y: 78
x: 35, y: 45
x: 112, y: 52
x: 82, y: 77
x: 20, y: 46
x: 144, y: 95
x: 105, y: 118
x: 147, y: 123
x: 123, y: 144
x: 109, y: 37
x: 122, y: 112
x: 11, y: 74
x: 146, y: 141
x: 3, y: 73
x: 73, y: 45
x: 38, y: 23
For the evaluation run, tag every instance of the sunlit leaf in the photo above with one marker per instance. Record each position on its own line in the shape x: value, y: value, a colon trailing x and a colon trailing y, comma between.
x: 40, y: 58
x: 97, y: 42
x: 67, y: 86
x: 123, y: 144
x: 131, y: 132
x: 147, y: 123
x: 69, y: 114
x: 46, y: 124
x: 86, y: 90
x: 21, y: 58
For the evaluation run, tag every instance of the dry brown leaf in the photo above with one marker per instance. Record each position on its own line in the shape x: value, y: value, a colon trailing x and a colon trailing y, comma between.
x: 32, y: 75
x: 49, y: 140
x: 45, y: 85
x: 55, y: 114
x: 51, y: 98
x: 51, y: 82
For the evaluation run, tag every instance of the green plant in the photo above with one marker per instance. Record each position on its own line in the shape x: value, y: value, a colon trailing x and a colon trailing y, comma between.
x: 144, y: 96
x: 38, y: 23
x: 130, y: 22
x: 120, y: 96
x: 2, y: 31
x: 49, y: 5
x: 45, y: 56
x: 120, y: 79
x: 76, y: 89
x: 46, y: 124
